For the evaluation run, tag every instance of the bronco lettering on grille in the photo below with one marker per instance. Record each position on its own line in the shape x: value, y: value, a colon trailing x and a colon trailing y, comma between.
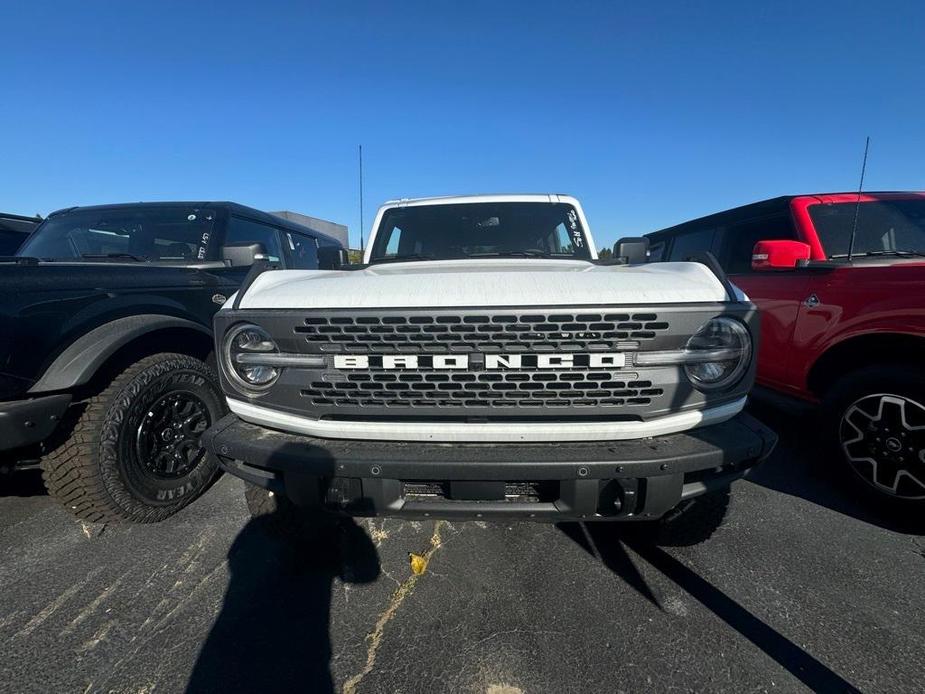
x: 488, y: 362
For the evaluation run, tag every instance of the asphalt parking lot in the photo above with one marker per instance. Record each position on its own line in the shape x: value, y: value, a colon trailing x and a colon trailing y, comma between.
x: 802, y: 588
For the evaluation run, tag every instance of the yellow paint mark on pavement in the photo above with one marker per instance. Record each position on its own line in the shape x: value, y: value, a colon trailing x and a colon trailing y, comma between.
x: 398, y: 597
x: 418, y: 563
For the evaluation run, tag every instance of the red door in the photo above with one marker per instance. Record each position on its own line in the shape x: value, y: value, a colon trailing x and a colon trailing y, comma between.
x: 779, y: 296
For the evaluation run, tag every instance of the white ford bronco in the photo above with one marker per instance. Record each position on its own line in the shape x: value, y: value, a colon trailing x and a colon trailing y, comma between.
x: 483, y: 362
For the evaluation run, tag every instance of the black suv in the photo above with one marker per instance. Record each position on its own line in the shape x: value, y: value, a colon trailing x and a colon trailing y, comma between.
x: 106, y: 365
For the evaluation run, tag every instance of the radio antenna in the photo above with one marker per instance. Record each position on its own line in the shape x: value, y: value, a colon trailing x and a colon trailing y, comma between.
x: 361, y: 197
x: 857, y: 205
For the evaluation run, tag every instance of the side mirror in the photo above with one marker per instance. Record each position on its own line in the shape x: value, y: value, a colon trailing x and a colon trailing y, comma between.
x: 778, y: 255
x: 332, y: 257
x: 243, y: 254
x: 635, y: 249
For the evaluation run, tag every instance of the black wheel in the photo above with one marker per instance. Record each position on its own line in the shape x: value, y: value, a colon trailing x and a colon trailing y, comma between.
x: 133, y: 452
x: 689, y: 523
x: 875, y: 426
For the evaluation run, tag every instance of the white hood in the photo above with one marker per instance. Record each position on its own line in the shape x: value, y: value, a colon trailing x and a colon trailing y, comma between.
x: 484, y: 282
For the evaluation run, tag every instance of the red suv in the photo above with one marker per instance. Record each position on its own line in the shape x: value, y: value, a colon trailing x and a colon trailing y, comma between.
x: 840, y: 281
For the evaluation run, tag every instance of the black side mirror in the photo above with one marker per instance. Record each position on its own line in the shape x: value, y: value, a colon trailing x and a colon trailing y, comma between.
x: 635, y: 249
x: 332, y: 257
x: 243, y: 254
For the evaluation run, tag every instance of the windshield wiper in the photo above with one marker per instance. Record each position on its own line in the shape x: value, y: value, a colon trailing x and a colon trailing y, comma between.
x: 401, y: 258
x: 509, y: 254
x: 132, y: 256
x: 900, y: 253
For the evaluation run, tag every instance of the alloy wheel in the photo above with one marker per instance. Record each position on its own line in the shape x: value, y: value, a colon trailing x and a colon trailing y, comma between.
x: 883, y: 439
x: 167, y: 441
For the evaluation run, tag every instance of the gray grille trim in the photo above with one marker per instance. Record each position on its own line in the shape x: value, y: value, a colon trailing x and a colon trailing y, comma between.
x: 500, y: 390
x: 573, y: 394
x: 526, y: 330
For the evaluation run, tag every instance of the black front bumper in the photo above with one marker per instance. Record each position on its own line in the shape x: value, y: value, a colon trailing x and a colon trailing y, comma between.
x: 24, y: 422
x: 616, y: 480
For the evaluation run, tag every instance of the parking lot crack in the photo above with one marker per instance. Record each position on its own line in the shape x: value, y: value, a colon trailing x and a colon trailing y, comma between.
x: 919, y: 544
x: 54, y: 605
x: 401, y: 593
x: 92, y: 607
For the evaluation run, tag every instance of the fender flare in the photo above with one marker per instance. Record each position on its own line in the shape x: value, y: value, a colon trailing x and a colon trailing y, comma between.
x: 77, y: 364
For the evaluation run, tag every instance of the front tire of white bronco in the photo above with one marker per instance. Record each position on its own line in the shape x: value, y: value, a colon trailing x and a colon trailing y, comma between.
x: 133, y: 453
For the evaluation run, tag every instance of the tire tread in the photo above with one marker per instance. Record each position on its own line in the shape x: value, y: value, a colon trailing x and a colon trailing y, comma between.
x: 71, y: 469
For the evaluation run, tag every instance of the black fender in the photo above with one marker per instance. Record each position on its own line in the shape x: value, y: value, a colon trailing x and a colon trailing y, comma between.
x: 77, y: 364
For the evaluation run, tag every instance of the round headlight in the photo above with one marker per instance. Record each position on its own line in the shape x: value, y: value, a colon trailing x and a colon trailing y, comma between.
x: 244, y: 346
x: 718, y: 354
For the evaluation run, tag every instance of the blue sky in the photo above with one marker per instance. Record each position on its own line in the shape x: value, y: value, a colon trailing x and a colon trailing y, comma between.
x: 649, y: 114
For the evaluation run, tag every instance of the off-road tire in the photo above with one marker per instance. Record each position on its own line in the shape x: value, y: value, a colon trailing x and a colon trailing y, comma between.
x: 92, y: 470
x: 689, y: 523
x: 900, y: 383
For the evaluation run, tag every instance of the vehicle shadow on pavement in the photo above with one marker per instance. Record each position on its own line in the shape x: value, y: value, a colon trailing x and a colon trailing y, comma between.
x: 799, y: 467
x: 607, y: 542
x: 272, y: 633
x: 22, y: 483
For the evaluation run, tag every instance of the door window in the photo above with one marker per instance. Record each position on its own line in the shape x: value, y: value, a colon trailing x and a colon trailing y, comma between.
x: 657, y: 252
x: 739, y: 240
x: 303, y: 251
x: 685, y: 245
x: 242, y: 230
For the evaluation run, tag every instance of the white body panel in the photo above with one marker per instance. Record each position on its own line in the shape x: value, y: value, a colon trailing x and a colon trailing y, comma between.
x: 485, y: 282
x: 459, y: 432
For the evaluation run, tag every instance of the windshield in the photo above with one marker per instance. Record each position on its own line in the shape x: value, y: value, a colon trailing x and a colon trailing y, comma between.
x: 440, y: 232
x: 884, y: 227
x: 144, y: 233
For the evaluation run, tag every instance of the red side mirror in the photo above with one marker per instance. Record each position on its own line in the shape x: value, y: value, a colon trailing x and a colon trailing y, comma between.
x: 778, y: 255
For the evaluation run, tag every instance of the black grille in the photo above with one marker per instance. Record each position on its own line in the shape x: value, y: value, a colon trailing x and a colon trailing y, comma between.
x: 483, y: 332
x: 508, y: 389
x: 514, y: 492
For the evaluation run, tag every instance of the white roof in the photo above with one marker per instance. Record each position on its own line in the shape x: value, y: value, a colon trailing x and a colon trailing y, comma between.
x: 494, y: 197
